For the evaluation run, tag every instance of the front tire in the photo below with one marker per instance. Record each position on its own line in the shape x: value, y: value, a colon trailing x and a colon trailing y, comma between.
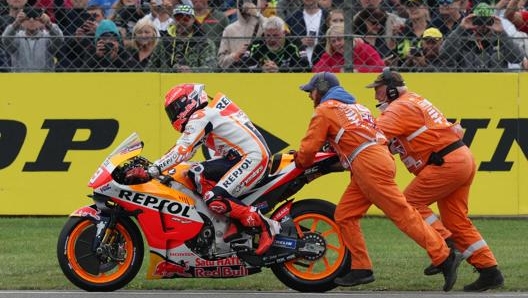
x: 90, y: 272
x: 315, y: 216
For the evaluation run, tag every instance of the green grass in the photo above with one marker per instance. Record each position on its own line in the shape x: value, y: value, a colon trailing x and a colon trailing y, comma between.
x: 28, y: 259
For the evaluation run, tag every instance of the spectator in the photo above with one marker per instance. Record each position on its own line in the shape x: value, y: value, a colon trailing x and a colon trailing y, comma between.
x: 369, y: 23
x: 480, y: 44
x: 308, y: 25
x: 69, y: 19
x: 126, y: 14
x: 187, y: 49
x: 238, y: 35
x: 418, y: 21
x: 106, y: 5
x: 32, y: 40
x: 145, y: 37
x: 79, y: 48
x: 394, y: 8
x: 335, y: 16
x: 285, y: 8
x: 12, y: 10
x: 212, y: 21
x: 267, y: 8
x: 274, y: 52
x: 330, y: 4
x: 365, y: 57
x: 227, y: 7
x: 517, y: 14
x: 110, y: 54
x: 519, y: 37
x: 393, y: 23
x: 426, y: 58
x: 50, y: 7
x: 161, y: 15
x: 450, y: 13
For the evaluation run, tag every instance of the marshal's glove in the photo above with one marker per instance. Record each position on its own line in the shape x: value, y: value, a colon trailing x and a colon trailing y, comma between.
x: 136, y: 175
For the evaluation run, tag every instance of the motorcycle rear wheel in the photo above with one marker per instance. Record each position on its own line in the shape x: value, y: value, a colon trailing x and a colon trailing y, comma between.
x: 81, y: 265
x: 315, y: 216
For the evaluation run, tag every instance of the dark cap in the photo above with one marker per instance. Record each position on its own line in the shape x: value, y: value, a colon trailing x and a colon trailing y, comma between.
x: 327, y: 79
x: 395, y: 78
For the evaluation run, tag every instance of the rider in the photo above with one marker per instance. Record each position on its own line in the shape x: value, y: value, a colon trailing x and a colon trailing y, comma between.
x: 243, y: 156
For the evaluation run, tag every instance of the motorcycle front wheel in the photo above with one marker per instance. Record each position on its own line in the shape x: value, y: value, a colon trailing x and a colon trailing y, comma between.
x: 314, y: 216
x: 115, y: 264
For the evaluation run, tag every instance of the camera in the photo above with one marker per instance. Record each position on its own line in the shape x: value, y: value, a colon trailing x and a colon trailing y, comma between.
x: 483, y: 21
x: 108, y: 47
x: 312, y: 33
x: 86, y: 16
x: 32, y: 12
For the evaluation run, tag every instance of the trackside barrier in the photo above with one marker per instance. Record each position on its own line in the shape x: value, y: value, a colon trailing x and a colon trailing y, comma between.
x: 55, y: 129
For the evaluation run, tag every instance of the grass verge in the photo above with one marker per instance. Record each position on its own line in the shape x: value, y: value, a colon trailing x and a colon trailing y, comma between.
x: 28, y: 258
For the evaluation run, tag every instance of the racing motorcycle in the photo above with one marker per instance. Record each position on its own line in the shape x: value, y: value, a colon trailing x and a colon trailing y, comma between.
x: 101, y: 247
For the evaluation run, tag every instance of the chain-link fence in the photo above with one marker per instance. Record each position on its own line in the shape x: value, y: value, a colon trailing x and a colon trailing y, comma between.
x: 262, y: 36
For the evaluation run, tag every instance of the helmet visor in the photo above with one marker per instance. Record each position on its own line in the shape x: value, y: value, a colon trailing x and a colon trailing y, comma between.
x: 175, y: 108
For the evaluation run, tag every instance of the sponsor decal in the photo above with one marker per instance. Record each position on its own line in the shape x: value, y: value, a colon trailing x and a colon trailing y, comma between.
x: 234, y: 271
x: 284, y: 242
x: 60, y: 140
x: 223, y: 103
x: 86, y: 212
x: 284, y: 210
x: 228, y: 267
x: 168, y: 269
x: 237, y: 173
x: 163, y: 205
x: 230, y: 261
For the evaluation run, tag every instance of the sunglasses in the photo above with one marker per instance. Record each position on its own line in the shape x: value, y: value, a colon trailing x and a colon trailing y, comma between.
x: 445, y: 2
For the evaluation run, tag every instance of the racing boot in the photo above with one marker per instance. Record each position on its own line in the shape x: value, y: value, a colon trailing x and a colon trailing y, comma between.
x: 432, y: 269
x: 449, y: 268
x: 249, y: 217
x: 231, y: 232
x: 489, y: 278
x: 355, y: 277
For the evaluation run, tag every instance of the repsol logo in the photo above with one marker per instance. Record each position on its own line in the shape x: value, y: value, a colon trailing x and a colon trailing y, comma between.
x: 223, y: 103
x: 237, y: 173
x: 102, y: 132
x: 163, y: 205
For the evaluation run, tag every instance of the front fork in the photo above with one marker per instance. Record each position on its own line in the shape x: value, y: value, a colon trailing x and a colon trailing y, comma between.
x: 108, y: 244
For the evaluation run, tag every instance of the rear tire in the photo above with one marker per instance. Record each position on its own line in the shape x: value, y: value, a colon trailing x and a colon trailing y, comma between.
x: 314, y: 215
x: 85, y: 269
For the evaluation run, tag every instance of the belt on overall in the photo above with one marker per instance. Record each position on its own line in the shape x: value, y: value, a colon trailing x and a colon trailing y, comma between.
x: 437, y: 158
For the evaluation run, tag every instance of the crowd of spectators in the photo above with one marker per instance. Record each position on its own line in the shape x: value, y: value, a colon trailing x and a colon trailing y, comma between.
x: 263, y: 35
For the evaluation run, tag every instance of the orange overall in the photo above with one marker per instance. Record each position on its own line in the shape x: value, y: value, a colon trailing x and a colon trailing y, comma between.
x: 350, y: 130
x: 417, y: 129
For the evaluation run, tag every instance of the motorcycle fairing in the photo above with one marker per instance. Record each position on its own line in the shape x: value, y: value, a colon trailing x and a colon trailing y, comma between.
x: 87, y: 211
x: 130, y: 147
x: 170, y: 214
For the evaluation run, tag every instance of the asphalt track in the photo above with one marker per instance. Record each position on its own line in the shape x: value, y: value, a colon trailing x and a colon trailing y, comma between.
x: 246, y: 294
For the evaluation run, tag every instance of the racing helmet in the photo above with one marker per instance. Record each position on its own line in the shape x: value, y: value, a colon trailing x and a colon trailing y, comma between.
x: 181, y: 101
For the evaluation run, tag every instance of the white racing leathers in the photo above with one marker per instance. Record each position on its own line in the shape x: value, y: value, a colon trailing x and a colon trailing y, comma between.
x: 224, y: 128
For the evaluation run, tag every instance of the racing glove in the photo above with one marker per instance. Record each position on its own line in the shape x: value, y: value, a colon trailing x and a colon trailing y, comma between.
x: 136, y: 175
